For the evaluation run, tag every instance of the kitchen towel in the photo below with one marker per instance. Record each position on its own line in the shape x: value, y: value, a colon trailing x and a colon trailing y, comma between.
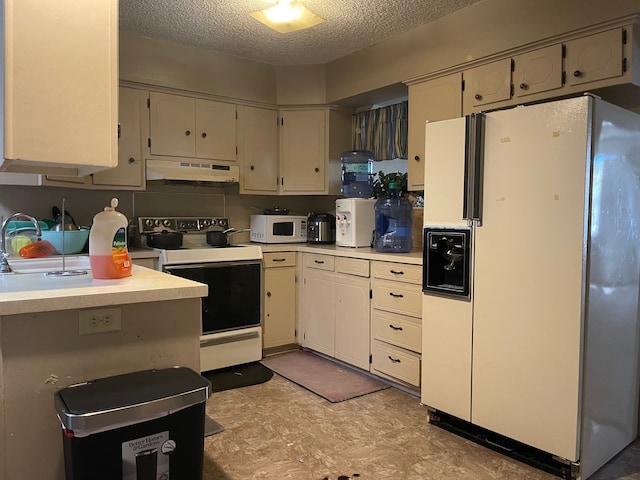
x: 323, y: 377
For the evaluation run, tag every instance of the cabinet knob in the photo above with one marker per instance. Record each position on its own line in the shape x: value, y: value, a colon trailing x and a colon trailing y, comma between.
x: 577, y: 73
x: 131, y: 160
x: 204, y: 134
x: 316, y: 169
x: 477, y: 96
x: 268, y: 294
x: 524, y: 86
x: 417, y: 158
x: 187, y: 133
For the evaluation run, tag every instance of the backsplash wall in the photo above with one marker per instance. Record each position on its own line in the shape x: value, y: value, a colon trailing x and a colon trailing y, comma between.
x: 157, y: 200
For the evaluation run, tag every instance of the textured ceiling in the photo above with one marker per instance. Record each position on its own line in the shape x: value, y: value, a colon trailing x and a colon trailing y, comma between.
x: 226, y: 27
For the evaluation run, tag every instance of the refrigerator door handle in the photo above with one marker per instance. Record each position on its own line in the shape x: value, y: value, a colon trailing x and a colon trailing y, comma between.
x: 468, y: 167
x: 478, y: 167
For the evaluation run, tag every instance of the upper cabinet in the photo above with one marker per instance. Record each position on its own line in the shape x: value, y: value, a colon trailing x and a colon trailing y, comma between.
x: 310, y: 144
x: 258, y: 150
x: 192, y: 127
x: 596, y: 57
x: 602, y: 63
x: 61, y: 86
x: 433, y: 100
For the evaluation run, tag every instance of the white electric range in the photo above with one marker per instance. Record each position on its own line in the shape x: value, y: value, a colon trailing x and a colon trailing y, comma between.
x: 231, y: 313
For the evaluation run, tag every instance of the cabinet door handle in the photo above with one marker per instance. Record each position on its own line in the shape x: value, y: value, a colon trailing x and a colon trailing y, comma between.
x: 394, y: 360
x: 319, y: 261
x: 252, y: 167
x: 524, y: 86
x: 187, y: 133
x: 397, y: 272
x: 204, y: 134
x: 577, y: 73
x: 417, y: 158
x: 396, y: 295
x: 316, y: 169
x: 278, y: 259
x: 132, y: 160
x: 393, y: 327
x: 268, y: 294
x: 478, y: 96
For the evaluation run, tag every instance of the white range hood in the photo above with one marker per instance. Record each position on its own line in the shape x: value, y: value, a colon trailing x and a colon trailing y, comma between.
x: 193, y: 171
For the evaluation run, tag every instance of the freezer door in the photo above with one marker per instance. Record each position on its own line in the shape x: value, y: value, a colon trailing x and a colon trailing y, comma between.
x: 529, y: 280
x: 444, y: 173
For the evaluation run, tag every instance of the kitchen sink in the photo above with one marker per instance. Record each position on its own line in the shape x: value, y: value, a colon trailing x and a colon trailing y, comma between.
x: 49, y: 264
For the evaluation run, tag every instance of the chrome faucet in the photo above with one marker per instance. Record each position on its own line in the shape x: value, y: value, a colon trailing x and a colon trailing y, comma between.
x: 4, y: 255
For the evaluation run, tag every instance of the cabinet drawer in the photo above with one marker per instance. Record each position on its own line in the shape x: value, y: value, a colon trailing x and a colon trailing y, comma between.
x: 323, y: 262
x: 352, y: 266
x: 401, y: 272
x: 399, y: 330
x: 397, y: 297
x: 283, y: 259
x: 395, y: 362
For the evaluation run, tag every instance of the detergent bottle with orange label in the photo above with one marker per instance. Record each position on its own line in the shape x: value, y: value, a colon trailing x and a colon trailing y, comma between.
x: 108, y: 252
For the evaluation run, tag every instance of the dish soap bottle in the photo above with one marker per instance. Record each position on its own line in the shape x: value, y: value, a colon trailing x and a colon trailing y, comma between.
x: 108, y: 252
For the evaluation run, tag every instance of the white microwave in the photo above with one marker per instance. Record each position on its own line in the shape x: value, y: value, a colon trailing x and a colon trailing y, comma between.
x: 278, y: 228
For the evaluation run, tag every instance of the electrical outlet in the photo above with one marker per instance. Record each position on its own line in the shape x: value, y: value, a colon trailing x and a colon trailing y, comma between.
x: 100, y: 320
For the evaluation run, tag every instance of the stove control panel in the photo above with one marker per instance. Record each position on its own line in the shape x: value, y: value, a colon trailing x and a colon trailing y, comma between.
x: 180, y: 224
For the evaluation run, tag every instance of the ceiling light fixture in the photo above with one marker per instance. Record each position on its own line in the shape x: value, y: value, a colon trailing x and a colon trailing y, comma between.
x: 287, y: 16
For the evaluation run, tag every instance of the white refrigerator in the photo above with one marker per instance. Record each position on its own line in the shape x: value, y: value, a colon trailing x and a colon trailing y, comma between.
x: 542, y: 346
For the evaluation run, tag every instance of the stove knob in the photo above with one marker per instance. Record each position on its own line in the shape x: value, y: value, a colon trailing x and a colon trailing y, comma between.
x: 221, y: 222
x: 148, y: 222
x: 182, y: 225
x: 166, y: 223
x: 158, y: 223
x: 206, y: 223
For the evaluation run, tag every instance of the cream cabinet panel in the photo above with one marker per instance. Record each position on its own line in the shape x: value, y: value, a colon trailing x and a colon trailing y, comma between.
x: 133, y: 116
x: 258, y: 150
x: 60, y: 86
x: 398, y: 297
x: 395, y: 362
x: 538, y: 71
x: 400, y: 330
x: 433, y: 100
x: 595, y: 57
x: 172, y: 125
x: 400, y: 272
x: 323, y: 262
x: 352, y: 266
x: 216, y: 130
x: 192, y: 127
x: 487, y: 84
x: 303, y: 150
x: 318, y: 310
x: 352, y: 320
x: 279, y: 305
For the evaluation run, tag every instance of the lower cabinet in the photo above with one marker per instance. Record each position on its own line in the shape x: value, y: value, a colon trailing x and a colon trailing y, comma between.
x: 279, y: 299
x: 335, y: 307
x: 396, y: 321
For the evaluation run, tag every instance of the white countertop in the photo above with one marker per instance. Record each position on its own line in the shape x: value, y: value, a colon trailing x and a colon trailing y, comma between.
x: 414, y: 257
x: 35, y: 292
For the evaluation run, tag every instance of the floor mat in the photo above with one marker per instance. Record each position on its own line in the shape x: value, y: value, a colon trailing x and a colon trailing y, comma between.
x: 238, y: 376
x: 323, y: 377
x: 211, y: 427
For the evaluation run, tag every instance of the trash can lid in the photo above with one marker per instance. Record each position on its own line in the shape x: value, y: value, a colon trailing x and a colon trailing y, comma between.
x: 113, y: 402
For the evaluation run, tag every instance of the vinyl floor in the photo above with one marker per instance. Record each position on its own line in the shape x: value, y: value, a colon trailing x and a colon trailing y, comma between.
x: 279, y: 430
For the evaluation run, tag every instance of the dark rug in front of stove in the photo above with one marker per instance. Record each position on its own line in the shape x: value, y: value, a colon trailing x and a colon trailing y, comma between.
x: 238, y: 376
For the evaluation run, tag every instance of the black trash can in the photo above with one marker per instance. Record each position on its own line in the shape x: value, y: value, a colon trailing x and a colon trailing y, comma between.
x: 146, y: 425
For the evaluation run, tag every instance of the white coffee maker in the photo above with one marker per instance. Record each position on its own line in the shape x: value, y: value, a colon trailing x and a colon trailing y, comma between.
x: 355, y: 221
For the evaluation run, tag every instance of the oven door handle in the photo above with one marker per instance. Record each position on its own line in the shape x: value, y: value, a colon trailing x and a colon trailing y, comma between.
x: 230, y: 339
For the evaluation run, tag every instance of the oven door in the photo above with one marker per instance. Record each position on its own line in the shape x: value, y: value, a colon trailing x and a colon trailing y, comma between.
x: 233, y: 301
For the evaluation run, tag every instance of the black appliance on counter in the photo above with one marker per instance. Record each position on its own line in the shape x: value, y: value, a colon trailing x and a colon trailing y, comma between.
x: 321, y: 228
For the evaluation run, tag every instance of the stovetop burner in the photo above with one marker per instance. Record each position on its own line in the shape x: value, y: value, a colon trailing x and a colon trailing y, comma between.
x: 194, y: 241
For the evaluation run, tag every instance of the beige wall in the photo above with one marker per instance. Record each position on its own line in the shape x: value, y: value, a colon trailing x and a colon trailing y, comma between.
x: 482, y: 29
x: 302, y: 85
x: 166, y: 64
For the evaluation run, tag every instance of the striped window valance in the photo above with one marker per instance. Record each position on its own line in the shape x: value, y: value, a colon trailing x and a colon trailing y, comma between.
x: 382, y: 131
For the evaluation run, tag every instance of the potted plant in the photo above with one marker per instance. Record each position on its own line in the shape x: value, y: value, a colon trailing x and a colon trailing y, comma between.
x: 381, y: 183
